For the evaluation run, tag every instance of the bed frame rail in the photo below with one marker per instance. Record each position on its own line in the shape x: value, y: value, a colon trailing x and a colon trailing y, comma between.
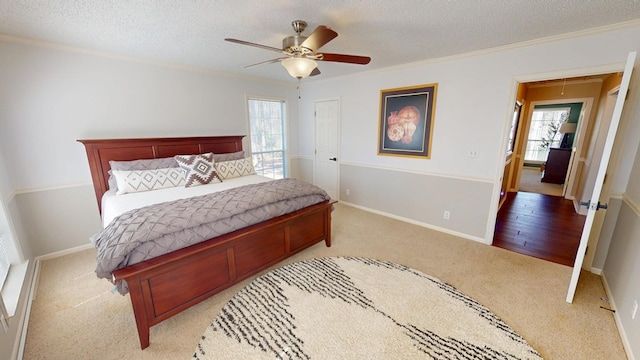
x: 169, y: 284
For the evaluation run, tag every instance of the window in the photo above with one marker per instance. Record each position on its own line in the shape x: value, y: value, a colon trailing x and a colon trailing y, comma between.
x: 4, y: 261
x: 12, y: 268
x: 544, y: 132
x: 267, y: 128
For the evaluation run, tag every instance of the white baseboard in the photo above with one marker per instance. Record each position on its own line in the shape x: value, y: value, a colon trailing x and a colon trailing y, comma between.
x: 414, y: 222
x: 596, y: 271
x: 24, y: 320
x: 33, y: 286
x: 65, y: 252
x: 616, y: 316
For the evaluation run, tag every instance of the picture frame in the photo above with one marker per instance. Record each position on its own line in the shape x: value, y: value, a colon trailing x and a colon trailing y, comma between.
x: 406, y: 121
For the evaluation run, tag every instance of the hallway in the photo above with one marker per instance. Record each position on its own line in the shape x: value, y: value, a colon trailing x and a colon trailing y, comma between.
x: 543, y: 226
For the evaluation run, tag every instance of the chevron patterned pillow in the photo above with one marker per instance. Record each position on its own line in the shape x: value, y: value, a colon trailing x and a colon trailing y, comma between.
x: 130, y: 181
x: 235, y: 168
x: 199, y: 169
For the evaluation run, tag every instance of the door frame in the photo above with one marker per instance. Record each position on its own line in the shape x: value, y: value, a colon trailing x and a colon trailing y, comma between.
x: 605, y: 161
x: 338, y: 139
x: 560, y: 74
x: 595, y: 70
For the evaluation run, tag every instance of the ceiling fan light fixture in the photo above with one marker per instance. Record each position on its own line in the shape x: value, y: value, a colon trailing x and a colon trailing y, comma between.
x: 298, y: 67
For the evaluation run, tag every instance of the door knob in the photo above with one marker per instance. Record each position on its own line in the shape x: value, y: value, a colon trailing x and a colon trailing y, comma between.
x: 333, y: 159
x: 593, y: 206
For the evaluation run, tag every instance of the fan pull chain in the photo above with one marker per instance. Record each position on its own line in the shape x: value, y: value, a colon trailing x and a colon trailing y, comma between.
x: 298, y: 87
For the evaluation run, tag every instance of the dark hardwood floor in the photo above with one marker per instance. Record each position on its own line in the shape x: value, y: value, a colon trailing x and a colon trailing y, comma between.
x: 543, y: 226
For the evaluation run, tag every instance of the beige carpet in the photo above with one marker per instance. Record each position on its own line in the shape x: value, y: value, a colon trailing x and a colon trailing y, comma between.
x: 530, y: 182
x: 353, y: 307
x: 75, y: 315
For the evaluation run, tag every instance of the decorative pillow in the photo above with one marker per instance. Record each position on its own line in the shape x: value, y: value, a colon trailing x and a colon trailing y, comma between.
x: 142, y: 164
x: 228, y: 156
x: 130, y: 181
x: 113, y: 184
x: 199, y: 169
x: 235, y: 168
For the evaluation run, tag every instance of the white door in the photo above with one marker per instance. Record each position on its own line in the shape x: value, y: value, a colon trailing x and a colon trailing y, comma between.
x: 604, y: 163
x: 327, y: 115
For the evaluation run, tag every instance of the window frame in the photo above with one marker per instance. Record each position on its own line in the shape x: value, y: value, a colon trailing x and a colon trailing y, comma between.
x: 8, y: 247
x: 530, y: 140
x: 11, y: 287
x: 285, y: 132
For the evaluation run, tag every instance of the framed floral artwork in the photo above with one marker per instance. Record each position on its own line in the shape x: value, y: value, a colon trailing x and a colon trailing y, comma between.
x: 406, y: 121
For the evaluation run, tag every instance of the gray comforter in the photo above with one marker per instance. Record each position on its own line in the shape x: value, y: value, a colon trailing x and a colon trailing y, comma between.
x: 151, y: 231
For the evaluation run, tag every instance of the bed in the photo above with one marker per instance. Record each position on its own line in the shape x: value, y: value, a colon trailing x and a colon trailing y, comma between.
x: 164, y: 286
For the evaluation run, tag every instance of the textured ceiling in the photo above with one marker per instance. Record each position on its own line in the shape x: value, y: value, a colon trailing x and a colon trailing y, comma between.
x: 192, y: 32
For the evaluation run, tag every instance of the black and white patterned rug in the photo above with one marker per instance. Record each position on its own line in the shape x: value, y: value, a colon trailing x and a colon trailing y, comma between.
x: 356, y: 308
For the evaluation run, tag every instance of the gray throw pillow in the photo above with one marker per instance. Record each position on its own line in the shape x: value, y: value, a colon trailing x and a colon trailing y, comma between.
x: 229, y: 156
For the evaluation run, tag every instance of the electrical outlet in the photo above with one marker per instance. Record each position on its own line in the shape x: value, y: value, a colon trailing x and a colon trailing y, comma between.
x: 447, y: 215
x: 347, y: 191
x: 635, y: 310
x: 473, y: 154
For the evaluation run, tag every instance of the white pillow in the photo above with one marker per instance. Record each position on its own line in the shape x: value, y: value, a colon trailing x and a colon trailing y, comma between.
x: 130, y: 181
x: 235, y: 168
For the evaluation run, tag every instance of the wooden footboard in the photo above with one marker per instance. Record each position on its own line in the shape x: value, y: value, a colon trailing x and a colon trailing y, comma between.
x: 166, y: 285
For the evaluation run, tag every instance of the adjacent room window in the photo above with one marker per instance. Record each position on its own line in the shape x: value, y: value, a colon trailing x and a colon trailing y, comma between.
x: 544, y: 132
x: 267, y: 119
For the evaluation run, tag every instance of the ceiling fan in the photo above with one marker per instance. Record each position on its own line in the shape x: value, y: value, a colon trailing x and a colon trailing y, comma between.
x: 301, y: 51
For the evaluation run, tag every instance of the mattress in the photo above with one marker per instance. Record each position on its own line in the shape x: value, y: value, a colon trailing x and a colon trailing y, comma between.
x: 114, y: 205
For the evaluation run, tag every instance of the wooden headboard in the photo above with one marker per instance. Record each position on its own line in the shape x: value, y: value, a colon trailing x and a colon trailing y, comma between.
x: 101, y: 151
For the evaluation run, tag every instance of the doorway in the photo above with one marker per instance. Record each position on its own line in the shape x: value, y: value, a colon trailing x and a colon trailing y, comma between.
x: 327, y: 137
x: 548, y: 145
x: 541, y: 218
x: 538, y: 225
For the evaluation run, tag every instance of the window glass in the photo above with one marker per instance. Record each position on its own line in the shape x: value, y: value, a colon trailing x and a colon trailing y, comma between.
x: 4, y: 261
x: 267, y: 128
x: 544, y: 132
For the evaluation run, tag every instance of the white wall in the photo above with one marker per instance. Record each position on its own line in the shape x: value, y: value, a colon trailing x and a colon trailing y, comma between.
x: 6, y: 188
x: 474, y: 104
x: 17, y: 253
x: 622, y: 267
x: 53, y: 97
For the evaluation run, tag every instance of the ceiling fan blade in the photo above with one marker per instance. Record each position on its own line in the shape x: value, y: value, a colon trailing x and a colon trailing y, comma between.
x: 318, y: 38
x: 242, y: 42
x: 351, y: 59
x: 315, y: 72
x: 267, y: 62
